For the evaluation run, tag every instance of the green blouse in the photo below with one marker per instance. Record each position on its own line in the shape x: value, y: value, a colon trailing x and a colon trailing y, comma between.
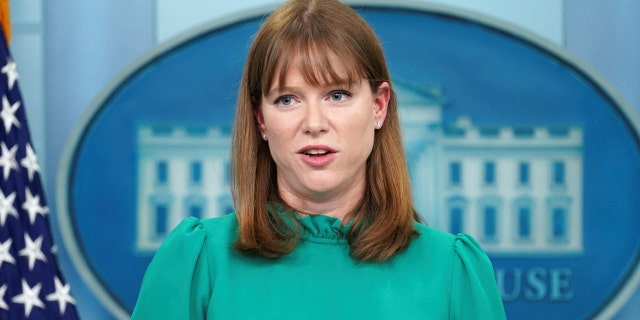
x: 197, y: 274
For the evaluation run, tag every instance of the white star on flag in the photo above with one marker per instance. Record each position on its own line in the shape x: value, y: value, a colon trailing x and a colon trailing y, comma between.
x: 61, y: 295
x: 8, y: 159
x: 5, y: 255
x: 32, y: 205
x: 29, y: 297
x: 12, y: 73
x: 8, y: 114
x: 6, y: 207
x: 30, y: 162
x: 32, y: 250
x: 3, y: 304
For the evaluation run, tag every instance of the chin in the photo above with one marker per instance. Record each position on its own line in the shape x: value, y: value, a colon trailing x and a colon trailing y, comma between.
x: 321, y: 188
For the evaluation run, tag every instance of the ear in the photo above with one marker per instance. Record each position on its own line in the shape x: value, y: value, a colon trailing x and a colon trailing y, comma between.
x: 257, y: 113
x: 381, y: 102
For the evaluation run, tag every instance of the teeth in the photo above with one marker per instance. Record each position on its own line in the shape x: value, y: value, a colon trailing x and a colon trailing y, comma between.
x: 316, y: 152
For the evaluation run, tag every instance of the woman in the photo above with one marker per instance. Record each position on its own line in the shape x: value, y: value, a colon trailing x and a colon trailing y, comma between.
x: 324, y: 224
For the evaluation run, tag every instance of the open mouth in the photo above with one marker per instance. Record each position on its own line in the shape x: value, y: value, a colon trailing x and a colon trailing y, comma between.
x: 317, y: 156
x: 316, y: 152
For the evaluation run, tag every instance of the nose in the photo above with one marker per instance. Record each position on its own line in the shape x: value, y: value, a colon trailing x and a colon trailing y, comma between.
x: 315, y: 120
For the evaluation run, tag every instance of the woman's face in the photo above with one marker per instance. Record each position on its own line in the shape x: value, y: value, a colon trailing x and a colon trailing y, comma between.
x: 321, y: 136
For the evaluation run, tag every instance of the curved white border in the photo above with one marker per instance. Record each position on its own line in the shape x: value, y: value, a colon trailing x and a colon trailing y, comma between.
x: 68, y: 234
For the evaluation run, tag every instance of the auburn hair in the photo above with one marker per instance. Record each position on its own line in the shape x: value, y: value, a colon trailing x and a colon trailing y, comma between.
x: 309, y: 32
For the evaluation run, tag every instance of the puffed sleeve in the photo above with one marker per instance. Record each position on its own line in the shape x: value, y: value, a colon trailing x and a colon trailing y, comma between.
x: 176, y: 284
x: 474, y: 290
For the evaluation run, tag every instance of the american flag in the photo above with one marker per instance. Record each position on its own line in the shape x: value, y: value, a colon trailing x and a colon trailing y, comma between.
x: 31, y: 284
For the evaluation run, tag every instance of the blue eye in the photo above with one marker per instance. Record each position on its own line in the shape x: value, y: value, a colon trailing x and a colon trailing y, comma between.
x: 339, y: 95
x: 284, y: 100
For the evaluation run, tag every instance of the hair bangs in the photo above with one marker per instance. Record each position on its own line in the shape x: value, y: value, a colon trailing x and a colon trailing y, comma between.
x: 317, y: 61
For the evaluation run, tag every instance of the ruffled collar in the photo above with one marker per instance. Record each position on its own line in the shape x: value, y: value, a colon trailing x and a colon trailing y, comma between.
x: 323, y: 229
x: 314, y: 228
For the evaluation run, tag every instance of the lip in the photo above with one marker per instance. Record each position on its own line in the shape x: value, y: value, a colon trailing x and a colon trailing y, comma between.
x: 317, y: 160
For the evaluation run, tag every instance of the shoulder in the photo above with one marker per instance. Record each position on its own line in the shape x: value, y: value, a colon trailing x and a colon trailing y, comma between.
x: 472, y: 286
x: 219, y: 227
x: 191, y: 244
x: 181, y: 272
x: 209, y: 225
x: 461, y: 245
x: 195, y: 234
x: 427, y: 233
x: 433, y: 240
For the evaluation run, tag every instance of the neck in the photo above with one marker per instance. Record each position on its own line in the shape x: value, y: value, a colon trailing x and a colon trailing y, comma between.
x: 337, y: 206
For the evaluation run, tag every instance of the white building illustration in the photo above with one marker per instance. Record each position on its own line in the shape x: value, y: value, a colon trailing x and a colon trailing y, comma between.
x: 516, y: 189
x: 182, y: 171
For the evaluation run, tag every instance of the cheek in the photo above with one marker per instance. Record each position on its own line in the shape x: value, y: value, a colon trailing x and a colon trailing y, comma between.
x: 360, y: 129
x: 278, y: 130
x: 280, y: 136
x: 361, y: 122
x: 361, y: 134
x: 272, y: 124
